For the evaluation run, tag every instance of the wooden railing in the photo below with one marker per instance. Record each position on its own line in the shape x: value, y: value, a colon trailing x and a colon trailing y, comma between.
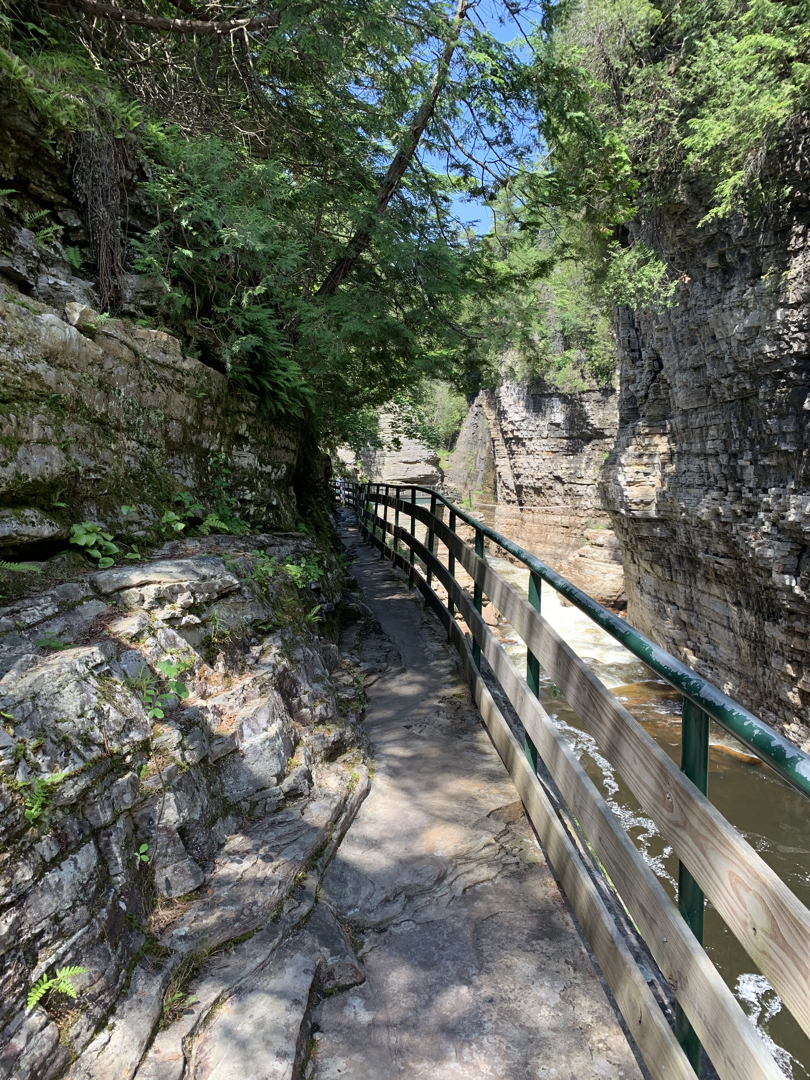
x: 764, y: 915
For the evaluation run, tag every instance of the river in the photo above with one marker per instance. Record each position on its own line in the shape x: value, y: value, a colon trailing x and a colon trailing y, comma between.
x: 768, y: 812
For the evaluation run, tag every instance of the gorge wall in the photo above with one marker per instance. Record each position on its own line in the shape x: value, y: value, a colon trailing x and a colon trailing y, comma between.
x: 99, y: 412
x: 102, y: 414
x: 708, y: 487
x: 528, y: 458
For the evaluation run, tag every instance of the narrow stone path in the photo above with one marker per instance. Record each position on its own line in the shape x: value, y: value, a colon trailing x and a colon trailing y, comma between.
x: 474, y: 966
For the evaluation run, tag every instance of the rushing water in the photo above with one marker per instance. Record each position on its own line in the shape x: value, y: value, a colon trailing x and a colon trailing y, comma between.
x: 769, y: 814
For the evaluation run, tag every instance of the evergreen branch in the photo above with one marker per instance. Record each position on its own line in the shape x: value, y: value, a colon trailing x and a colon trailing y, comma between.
x: 402, y: 160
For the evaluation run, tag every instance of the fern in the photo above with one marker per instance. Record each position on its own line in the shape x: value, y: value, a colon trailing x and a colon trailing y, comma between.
x: 213, y: 522
x: 37, y: 801
x: 60, y: 983
x: 18, y: 568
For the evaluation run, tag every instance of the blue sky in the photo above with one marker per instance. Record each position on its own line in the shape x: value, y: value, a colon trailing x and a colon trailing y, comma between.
x: 493, y: 15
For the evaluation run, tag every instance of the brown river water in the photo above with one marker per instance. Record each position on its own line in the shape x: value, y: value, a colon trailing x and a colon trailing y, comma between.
x: 770, y: 815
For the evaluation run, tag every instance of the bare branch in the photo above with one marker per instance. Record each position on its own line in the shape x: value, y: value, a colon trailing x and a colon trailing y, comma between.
x: 130, y: 17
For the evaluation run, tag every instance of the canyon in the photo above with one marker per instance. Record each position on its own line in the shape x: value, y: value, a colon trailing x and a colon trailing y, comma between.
x: 686, y: 492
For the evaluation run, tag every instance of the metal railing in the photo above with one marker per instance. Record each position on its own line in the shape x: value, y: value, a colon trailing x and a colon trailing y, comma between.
x: 714, y: 860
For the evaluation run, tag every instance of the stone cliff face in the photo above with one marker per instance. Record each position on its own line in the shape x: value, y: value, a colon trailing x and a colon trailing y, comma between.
x: 113, y: 802
x: 546, y: 450
x: 102, y: 414
x: 99, y: 412
x: 709, y: 484
x: 400, y: 461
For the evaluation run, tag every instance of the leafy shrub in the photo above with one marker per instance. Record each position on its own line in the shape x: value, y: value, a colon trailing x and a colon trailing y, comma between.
x: 96, y: 543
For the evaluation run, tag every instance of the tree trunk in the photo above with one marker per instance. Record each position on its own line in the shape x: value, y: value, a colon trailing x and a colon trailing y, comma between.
x: 399, y: 166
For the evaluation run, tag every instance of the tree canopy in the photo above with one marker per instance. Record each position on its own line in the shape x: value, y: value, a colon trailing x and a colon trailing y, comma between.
x: 296, y: 165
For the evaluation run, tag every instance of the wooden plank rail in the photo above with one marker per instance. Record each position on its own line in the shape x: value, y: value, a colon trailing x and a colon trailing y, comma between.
x: 770, y: 922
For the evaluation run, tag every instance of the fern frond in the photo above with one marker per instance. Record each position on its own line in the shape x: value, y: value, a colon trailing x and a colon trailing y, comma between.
x: 213, y: 522
x: 19, y: 568
x: 69, y: 972
x: 38, y: 991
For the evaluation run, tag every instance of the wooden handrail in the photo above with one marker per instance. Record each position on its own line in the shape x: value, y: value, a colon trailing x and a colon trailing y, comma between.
x: 765, y: 916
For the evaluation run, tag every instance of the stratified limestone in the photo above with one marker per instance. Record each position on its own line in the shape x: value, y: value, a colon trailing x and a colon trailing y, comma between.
x: 528, y: 460
x: 201, y: 789
x: 96, y: 414
x: 709, y: 484
x: 401, y: 461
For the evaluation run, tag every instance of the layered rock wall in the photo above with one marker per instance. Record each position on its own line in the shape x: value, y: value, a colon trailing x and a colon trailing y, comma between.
x: 114, y: 801
x: 96, y: 414
x: 399, y: 460
x: 709, y: 485
x: 546, y: 450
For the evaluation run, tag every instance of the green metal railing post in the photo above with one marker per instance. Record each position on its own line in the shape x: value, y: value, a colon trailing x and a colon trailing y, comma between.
x: 451, y: 566
x: 431, y: 537
x: 385, y: 525
x: 532, y: 663
x: 394, y: 541
x: 695, y: 765
x: 478, y: 595
x: 413, y: 533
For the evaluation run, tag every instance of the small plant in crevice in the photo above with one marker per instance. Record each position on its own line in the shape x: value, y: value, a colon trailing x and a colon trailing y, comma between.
x: 171, y: 522
x: 153, y: 699
x: 96, y: 543
x: 306, y: 572
x: 264, y: 569
x: 226, y: 505
x: 36, y: 802
x: 177, y: 998
x: 49, y: 640
x: 60, y: 983
x: 142, y: 854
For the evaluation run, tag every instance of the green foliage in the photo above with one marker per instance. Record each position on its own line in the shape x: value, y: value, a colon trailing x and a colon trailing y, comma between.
x: 699, y: 92
x: 265, y: 158
x: 74, y: 258
x: 431, y: 413
x: 171, y: 522
x: 264, y: 569
x: 60, y: 983
x: 18, y: 568
x: 142, y: 854
x: 49, y: 640
x: 637, y: 277
x: 305, y: 573
x: 96, y: 543
x: 226, y: 504
x: 153, y: 699
x: 549, y: 318
x: 37, y: 801
x: 171, y: 669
